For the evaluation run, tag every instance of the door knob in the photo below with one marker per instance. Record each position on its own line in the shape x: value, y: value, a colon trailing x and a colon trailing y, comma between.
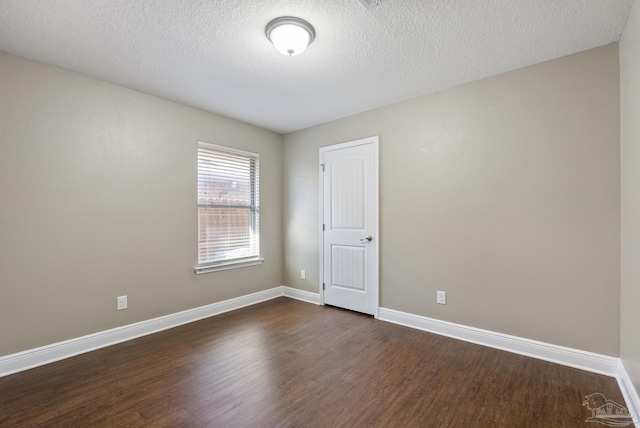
x: 367, y: 239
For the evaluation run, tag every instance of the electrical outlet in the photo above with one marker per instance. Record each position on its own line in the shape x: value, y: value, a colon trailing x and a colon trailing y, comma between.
x: 303, y: 274
x: 442, y: 297
x: 122, y: 302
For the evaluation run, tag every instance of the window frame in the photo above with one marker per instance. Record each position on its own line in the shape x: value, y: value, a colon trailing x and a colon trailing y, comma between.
x: 254, y: 206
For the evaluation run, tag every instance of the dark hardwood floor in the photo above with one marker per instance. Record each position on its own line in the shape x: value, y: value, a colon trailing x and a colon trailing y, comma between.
x: 285, y: 363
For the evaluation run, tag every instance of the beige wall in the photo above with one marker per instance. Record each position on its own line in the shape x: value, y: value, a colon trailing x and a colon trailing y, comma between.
x: 503, y: 192
x: 98, y: 194
x: 509, y: 188
x: 630, y: 156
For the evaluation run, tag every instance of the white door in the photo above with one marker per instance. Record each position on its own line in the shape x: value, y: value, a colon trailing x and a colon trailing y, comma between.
x: 349, y: 223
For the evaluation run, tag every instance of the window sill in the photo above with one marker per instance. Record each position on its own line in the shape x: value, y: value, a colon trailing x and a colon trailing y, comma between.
x: 232, y: 264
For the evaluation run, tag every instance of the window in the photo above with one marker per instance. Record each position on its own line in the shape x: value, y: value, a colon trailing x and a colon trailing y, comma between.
x: 228, y: 209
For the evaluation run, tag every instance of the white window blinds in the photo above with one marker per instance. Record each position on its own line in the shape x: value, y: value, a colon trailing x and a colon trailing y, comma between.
x: 228, y: 209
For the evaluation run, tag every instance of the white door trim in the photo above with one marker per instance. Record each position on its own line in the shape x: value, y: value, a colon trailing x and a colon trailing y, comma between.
x: 369, y: 140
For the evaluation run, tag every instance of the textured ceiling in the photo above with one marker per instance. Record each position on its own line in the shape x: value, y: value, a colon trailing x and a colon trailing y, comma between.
x: 213, y: 54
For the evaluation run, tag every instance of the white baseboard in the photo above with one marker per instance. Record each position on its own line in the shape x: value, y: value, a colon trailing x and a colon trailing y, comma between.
x: 576, y: 358
x: 305, y: 296
x: 31, y: 358
x: 629, y: 393
x: 597, y: 363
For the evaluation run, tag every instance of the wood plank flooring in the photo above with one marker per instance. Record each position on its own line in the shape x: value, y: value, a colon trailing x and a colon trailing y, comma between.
x: 285, y: 363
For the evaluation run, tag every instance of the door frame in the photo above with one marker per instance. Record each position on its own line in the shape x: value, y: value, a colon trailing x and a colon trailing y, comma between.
x: 376, y: 190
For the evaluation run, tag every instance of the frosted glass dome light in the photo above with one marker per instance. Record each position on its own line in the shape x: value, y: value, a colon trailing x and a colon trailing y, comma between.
x: 290, y: 35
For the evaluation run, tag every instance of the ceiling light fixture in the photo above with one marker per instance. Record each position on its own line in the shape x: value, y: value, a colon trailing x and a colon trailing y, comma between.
x: 290, y: 35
